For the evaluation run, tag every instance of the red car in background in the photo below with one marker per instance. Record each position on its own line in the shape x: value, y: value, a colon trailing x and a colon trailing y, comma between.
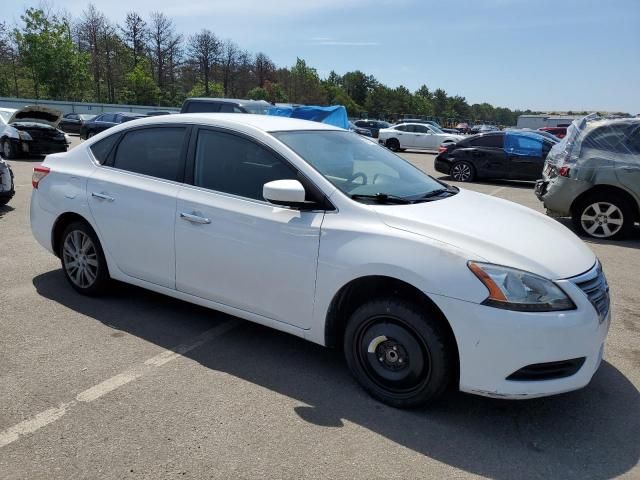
x: 559, y: 132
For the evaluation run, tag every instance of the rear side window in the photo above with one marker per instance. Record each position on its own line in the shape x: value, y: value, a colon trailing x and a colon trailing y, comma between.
x: 491, y: 141
x: 232, y: 164
x: 103, y: 148
x: 608, y: 138
x: 156, y: 152
x: 107, y: 117
x: 202, y: 107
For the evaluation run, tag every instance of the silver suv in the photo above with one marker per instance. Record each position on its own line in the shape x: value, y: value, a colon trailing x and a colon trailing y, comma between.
x: 593, y: 176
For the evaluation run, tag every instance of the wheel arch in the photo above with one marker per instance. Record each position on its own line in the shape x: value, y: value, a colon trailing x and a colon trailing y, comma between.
x: 606, y: 189
x: 61, y: 223
x: 350, y: 296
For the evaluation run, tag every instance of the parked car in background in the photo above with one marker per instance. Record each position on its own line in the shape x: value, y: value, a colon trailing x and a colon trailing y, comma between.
x: 359, y: 130
x: 418, y: 136
x: 31, y: 131
x: 548, y: 135
x: 312, y: 230
x: 483, y: 129
x: 72, y: 122
x: 593, y: 176
x: 7, y: 188
x: 155, y: 113
x: 225, y: 105
x: 374, y: 126
x: 511, y: 154
x: 105, y: 121
x: 559, y: 132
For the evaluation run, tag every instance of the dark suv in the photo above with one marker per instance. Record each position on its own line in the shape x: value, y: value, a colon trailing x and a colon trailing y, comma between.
x: 225, y: 105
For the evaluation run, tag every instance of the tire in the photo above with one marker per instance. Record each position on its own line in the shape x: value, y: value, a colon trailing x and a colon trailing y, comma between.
x: 8, y: 150
x: 393, y: 144
x: 90, y: 134
x: 92, y: 276
x: 6, y: 198
x: 462, y: 172
x: 398, y: 353
x: 604, y: 216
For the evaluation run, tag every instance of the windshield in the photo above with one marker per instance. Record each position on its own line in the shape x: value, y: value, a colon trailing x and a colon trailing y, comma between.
x: 5, y: 116
x: 86, y: 117
x: 357, y: 166
x: 435, y: 129
x: 258, y: 109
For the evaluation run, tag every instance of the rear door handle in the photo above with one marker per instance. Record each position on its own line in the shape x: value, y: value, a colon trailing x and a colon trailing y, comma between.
x: 190, y: 217
x: 102, y: 196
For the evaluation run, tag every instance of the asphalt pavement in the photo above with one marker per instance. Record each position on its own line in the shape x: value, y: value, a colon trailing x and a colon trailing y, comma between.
x: 138, y: 385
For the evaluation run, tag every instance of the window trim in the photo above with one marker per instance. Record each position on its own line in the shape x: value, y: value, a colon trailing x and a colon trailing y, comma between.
x: 109, y: 162
x: 325, y: 205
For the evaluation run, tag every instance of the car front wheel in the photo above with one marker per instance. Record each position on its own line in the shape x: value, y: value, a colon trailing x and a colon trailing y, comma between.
x: 83, y: 260
x: 8, y: 150
x: 604, y: 216
x: 398, y: 353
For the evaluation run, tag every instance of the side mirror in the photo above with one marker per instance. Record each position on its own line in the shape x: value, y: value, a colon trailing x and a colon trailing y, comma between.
x: 288, y: 193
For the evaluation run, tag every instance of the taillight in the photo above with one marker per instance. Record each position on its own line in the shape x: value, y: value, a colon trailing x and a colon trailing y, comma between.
x: 38, y: 174
x: 564, y: 171
x: 442, y: 148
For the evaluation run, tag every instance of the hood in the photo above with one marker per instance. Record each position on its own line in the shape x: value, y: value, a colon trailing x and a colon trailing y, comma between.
x: 37, y: 114
x: 495, y: 231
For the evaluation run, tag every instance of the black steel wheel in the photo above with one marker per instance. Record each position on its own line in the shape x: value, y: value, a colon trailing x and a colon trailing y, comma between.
x: 398, y: 353
x: 393, y: 144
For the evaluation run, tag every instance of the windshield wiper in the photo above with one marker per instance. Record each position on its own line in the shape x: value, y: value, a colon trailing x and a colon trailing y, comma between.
x: 438, y: 192
x: 382, y: 198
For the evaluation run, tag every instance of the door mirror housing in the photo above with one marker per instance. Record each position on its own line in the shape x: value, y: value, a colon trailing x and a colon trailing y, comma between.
x: 287, y: 193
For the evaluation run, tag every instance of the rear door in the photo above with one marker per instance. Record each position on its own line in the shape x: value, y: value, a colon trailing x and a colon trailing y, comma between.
x: 424, y: 138
x: 487, y: 155
x: 105, y: 121
x: 133, y: 200
x: 233, y: 247
x: 628, y: 170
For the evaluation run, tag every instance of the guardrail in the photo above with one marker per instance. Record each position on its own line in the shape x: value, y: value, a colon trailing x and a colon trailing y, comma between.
x: 81, y: 107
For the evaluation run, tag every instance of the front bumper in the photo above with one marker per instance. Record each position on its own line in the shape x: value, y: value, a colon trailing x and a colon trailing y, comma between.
x: 493, y: 344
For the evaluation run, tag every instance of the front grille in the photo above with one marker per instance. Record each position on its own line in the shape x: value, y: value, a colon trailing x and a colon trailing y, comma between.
x: 548, y: 371
x: 595, y: 287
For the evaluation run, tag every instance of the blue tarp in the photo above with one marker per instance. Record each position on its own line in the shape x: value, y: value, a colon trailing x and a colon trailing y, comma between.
x: 523, y: 144
x: 335, y: 115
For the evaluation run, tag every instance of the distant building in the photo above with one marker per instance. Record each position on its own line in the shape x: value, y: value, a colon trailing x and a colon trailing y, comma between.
x: 545, y: 120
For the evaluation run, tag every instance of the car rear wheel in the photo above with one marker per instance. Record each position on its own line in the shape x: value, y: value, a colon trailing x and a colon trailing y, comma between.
x: 398, y: 353
x: 604, y: 216
x: 463, y: 172
x: 91, y: 134
x: 83, y: 260
x: 393, y: 144
x: 8, y: 150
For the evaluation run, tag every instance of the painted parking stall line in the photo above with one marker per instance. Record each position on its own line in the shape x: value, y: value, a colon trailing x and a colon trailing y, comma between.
x: 46, y: 417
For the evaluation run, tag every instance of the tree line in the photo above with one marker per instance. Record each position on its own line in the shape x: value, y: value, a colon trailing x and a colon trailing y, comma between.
x: 146, y: 61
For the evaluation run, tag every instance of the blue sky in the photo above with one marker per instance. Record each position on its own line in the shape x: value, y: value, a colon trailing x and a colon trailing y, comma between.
x: 538, y: 54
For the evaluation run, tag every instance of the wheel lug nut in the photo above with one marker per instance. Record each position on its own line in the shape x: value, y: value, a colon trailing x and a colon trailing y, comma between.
x: 380, y: 358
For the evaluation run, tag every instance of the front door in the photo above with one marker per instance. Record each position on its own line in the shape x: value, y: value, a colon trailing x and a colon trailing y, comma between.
x: 133, y: 202
x: 234, y: 248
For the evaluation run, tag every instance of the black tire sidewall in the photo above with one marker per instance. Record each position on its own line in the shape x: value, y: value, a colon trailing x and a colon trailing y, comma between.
x: 419, y: 324
x: 393, y: 144
x: 617, y: 200
x: 102, y: 279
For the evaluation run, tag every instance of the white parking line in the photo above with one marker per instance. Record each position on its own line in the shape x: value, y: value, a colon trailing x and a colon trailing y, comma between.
x: 497, y: 190
x: 50, y: 415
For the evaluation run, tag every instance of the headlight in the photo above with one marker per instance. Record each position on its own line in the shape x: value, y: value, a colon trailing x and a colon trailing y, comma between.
x: 514, y: 289
x: 24, y: 135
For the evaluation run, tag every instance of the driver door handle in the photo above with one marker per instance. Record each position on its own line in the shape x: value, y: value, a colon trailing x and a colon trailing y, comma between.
x: 190, y: 217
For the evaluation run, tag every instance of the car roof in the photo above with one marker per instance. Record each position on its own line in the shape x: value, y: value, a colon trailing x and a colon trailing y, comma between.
x: 265, y: 123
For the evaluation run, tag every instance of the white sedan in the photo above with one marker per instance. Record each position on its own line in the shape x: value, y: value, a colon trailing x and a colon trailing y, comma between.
x: 415, y: 136
x: 320, y: 233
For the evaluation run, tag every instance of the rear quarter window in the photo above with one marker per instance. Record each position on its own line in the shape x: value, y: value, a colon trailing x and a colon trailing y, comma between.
x: 102, y: 149
x: 202, y: 107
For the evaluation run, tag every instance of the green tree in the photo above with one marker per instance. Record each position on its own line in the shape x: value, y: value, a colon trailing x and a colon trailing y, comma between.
x: 57, y: 68
x: 198, y: 90
x: 258, y: 93
x: 141, y: 89
x: 305, y: 86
